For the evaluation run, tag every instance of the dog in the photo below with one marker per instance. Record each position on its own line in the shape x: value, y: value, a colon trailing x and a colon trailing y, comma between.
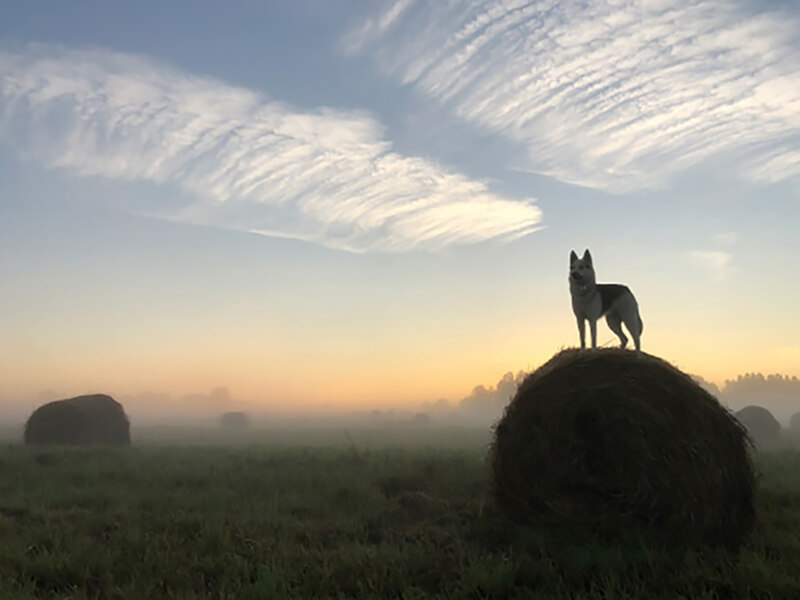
x: 591, y: 300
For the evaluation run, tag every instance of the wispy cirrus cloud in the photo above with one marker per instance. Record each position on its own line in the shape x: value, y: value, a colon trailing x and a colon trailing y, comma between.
x: 716, y: 262
x: 610, y: 94
x: 245, y: 162
x: 727, y: 237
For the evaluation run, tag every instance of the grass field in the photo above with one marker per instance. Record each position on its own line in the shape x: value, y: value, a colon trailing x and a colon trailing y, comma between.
x: 334, y: 514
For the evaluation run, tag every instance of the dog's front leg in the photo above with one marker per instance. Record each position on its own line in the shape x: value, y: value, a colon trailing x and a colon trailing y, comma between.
x: 582, y: 332
x: 593, y: 330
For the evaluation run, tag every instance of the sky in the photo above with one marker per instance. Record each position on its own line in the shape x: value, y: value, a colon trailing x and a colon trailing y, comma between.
x: 316, y: 205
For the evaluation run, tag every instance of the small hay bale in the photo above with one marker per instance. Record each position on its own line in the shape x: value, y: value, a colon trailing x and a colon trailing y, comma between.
x: 235, y: 420
x: 763, y: 427
x: 794, y: 422
x: 607, y: 444
x: 83, y: 420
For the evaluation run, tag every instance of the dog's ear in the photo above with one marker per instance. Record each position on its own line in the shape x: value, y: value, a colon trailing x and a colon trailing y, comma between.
x: 572, y: 257
x: 587, y: 258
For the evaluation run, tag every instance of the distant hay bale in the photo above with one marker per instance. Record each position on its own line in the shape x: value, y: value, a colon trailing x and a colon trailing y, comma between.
x: 763, y: 427
x: 235, y: 420
x: 794, y: 422
x: 83, y: 420
x: 610, y: 444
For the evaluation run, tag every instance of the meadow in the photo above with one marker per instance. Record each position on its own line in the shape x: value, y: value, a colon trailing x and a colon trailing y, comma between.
x: 334, y: 513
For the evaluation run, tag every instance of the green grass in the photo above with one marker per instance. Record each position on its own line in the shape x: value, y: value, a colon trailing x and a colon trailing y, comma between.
x: 354, y: 519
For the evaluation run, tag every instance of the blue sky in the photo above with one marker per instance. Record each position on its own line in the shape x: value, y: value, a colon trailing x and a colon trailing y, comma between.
x: 373, y: 202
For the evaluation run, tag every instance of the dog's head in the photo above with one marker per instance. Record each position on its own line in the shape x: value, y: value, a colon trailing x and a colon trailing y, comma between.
x: 581, y: 270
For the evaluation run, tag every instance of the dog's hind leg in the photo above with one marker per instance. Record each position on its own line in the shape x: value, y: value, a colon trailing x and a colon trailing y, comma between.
x: 615, y: 324
x: 635, y: 330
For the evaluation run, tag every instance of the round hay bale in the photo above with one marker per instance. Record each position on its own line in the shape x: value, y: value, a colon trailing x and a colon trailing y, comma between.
x: 83, y: 420
x: 608, y: 444
x: 235, y: 420
x: 763, y: 427
x: 58, y: 423
x: 794, y: 422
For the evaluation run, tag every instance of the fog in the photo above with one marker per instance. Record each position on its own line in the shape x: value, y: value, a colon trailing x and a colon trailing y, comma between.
x: 196, y: 416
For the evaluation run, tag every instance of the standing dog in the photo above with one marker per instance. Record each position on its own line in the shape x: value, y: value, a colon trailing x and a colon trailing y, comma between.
x: 591, y: 300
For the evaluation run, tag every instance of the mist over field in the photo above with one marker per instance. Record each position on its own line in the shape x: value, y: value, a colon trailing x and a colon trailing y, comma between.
x: 195, y: 417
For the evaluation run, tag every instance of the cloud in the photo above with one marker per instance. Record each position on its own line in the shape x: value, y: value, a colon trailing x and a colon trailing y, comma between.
x: 728, y: 237
x: 242, y: 161
x: 615, y: 95
x: 373, y: 28
x: 715, y: 262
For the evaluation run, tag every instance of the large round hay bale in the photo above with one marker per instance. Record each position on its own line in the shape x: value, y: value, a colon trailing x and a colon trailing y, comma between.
x: 609, y: 444
x: 58, y: 423
x: 83, y: 420
x: 764, y: 428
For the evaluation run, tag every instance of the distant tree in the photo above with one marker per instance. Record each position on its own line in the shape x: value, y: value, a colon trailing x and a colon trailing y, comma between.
x: 220, y: 396
x: 775, y: 383
x: 421, y: 419
x: 780, y: 393
x: 235, y: 420
x: 382, y: 416
x: 442, y: 404
x: 708, y: 386
x: 440, y: 407
x: 485, y: 401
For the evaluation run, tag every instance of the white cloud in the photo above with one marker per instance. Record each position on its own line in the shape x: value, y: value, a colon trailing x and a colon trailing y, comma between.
x: 715, y: 262
x: 615, y: 95
x: 372, y: 28
x: 728, y: 237
x: 245, y: 161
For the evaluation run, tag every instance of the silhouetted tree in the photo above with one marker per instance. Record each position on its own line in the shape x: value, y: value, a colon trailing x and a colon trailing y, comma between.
x: 421, y: 419
x: 780, y: 393
x: 381, y: 416
x: 490, y: 402
x: 708, y: 386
